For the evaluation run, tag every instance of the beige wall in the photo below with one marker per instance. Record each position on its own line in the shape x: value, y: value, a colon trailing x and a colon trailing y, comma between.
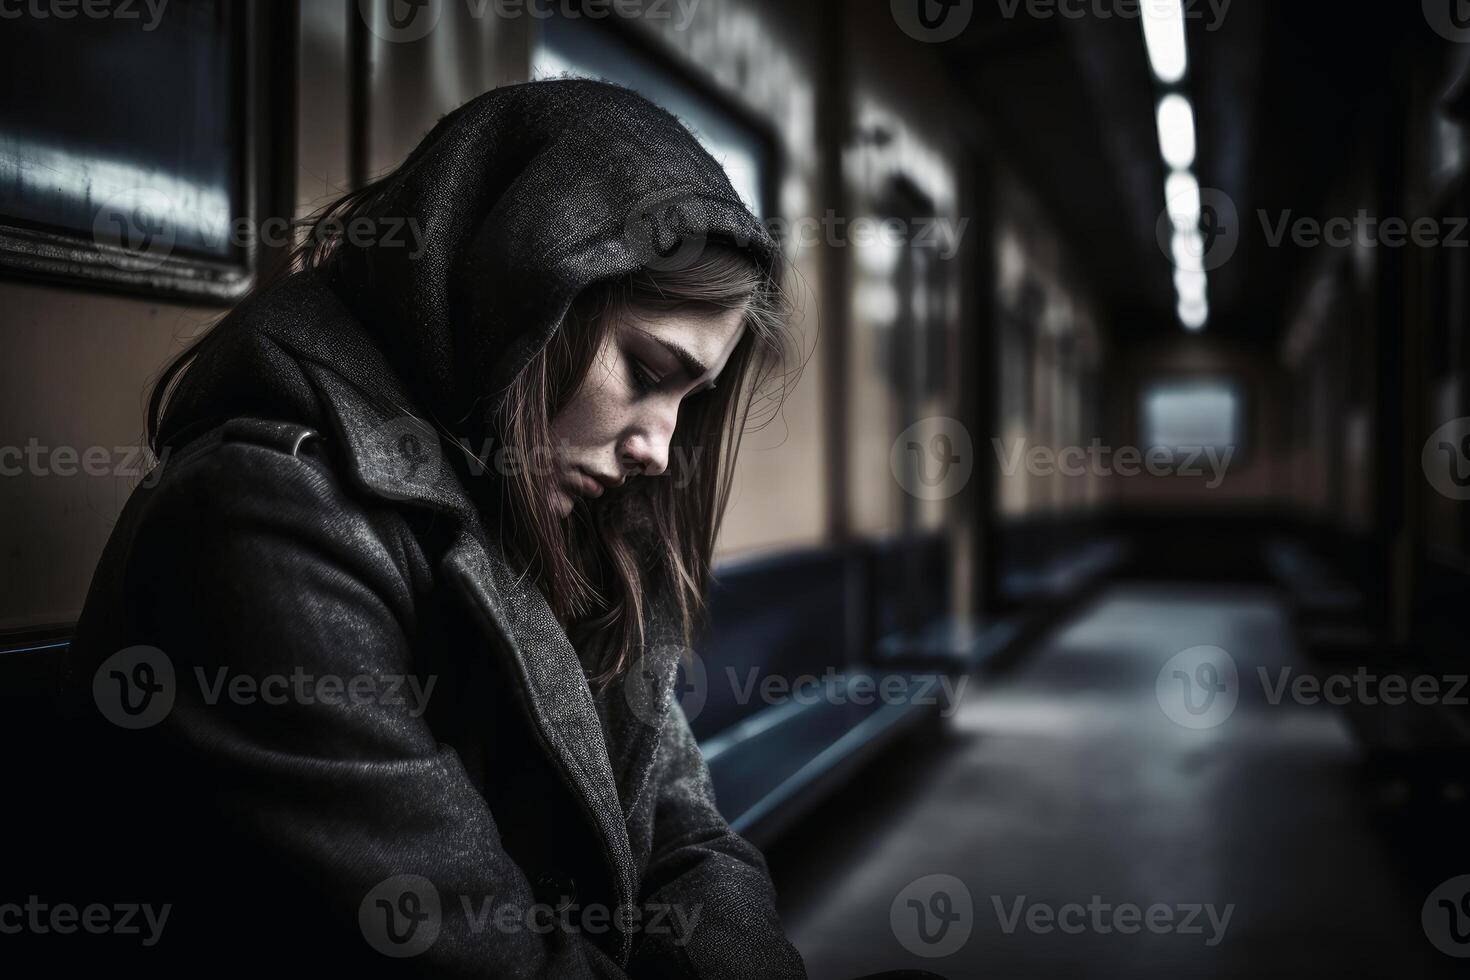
x: 75, y: 377
x: 322, y: 107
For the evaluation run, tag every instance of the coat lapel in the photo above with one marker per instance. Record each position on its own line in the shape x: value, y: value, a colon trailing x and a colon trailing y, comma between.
x: 397, y: 458
x: 553, y: 688
x: 633, y: 709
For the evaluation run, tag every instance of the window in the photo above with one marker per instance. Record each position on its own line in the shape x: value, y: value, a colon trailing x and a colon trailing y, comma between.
x: 1186, y: 415
x: 124, y: 159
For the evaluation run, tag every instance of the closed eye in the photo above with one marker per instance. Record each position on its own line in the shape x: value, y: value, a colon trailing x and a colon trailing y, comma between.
x: 644, y: 380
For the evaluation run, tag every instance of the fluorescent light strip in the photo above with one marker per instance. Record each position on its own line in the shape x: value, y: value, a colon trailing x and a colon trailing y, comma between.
x: 1181, y: 192
x: 1194, y: 315
x: 1176, y: 131
x: 1163, y: 34
x: 1166, y: 39
x: 1190, y: 285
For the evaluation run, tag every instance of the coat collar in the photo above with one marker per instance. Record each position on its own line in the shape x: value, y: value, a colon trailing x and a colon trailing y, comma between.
x: 604, y: 748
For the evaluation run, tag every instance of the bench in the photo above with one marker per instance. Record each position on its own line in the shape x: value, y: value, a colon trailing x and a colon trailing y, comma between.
x: 770, y: 768
x: 30, y: 673
x: 789, y: 711
x: 911, y: 622
x: 1062, y: 573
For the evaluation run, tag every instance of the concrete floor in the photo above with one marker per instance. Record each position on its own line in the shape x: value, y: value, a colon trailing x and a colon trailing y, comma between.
x: 1065, y: 780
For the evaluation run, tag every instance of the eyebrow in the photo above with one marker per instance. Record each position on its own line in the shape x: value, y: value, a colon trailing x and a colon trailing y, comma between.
x: 692, y: 365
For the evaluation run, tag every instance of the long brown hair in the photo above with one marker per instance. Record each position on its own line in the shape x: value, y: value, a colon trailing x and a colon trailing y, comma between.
x: 652, y: 537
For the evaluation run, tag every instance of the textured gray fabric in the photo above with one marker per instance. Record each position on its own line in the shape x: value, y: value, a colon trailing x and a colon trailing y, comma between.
x: 286, y: 534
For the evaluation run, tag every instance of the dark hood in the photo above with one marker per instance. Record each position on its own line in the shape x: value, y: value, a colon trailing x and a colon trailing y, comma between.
x: 512, y: 205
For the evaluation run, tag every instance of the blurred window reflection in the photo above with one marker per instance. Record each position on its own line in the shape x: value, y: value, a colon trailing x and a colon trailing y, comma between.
x: 103, y: 137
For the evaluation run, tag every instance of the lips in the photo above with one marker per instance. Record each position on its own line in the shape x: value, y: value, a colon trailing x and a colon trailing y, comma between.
x: 587, y: 485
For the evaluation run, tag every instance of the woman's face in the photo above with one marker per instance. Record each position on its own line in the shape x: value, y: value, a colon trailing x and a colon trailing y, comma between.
x: 620, y: 421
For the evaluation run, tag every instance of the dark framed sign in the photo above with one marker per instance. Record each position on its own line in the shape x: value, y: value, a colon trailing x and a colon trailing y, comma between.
x: 130, y: 159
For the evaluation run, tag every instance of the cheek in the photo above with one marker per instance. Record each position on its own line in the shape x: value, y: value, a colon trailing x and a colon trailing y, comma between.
x: 594, y: 416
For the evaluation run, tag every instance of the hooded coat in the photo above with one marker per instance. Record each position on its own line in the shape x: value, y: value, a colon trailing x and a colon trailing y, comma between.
x: 470, y: 808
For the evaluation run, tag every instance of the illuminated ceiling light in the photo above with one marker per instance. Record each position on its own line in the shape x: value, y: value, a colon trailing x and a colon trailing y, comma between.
x: 1190, y: 285
x: 1163, y: 33
x: 1176, y: 131
x: 1182, y: 194
x: 1189, y: 251
x: 1194, y: 316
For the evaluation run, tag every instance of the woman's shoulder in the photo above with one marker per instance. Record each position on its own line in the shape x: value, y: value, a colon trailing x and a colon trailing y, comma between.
x: 221, y: 440
x: 248, y: 529
x: 222, y: 461
x: 255, y: 489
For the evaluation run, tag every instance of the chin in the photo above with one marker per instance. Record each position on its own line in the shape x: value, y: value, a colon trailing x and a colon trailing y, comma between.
x: 563, y: 502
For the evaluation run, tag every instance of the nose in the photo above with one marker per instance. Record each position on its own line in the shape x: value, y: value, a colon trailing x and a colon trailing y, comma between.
x: 645, y: 450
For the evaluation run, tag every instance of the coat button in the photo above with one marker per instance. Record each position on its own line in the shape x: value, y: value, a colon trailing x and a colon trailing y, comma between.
x: 555, y: 888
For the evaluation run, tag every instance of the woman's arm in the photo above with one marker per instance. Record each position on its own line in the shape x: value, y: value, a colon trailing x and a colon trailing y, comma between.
x: 701, y: 867
x: 252, y: 561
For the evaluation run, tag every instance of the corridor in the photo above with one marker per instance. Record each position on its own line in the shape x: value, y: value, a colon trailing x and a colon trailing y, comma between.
x: 1066, y: 782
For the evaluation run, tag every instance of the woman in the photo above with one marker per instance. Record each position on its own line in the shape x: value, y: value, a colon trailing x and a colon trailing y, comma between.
x: 384, y: 656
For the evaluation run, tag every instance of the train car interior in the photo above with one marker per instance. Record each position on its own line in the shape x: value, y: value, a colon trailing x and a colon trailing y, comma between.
x: 1083, y: 605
